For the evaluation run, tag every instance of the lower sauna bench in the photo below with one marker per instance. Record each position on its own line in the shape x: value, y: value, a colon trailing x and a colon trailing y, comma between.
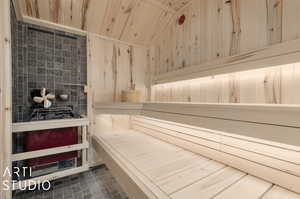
x: 147, y: 167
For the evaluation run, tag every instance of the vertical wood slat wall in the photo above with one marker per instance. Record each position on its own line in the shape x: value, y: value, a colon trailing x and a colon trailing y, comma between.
x: 111, y: 70
x: 218, y: 28
x: 275, y: 85
x: 5, y: 94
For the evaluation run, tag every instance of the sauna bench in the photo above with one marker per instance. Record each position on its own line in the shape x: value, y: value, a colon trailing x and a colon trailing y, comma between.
x: 147, y: 167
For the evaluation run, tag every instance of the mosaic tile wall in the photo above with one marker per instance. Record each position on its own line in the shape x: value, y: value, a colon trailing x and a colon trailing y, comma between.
x: 47, y: 58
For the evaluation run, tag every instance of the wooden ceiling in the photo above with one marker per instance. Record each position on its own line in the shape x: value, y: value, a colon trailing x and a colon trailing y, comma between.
x: 135, y: 21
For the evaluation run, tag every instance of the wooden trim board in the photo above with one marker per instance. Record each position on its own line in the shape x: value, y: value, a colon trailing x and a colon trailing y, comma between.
x: 49, y: 124
x: 278, y: 54
x: 119, y: 108
x: 5, y: 94
x: 48, y: 24
x: 52, y: 25
x: 46, y: 152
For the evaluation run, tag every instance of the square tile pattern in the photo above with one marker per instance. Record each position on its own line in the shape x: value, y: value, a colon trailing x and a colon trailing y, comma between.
x: 47, y: 58
x: 98, y: 183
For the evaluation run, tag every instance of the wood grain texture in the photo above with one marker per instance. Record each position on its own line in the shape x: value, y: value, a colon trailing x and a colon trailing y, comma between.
x: 245, y: 189
x: 262, y: 86
x: 168, y: 171
x: 255, y: 156
x: 274, y: 9
x: 137, y: 21
x: 5, y: 96
x: 116, y: 67
x: 280, y: 193
x: 210, y: 186
x: 113, y: 67
x: 218, y: 29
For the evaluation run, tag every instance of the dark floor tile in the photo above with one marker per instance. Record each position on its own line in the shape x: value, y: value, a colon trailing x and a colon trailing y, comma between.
x: 98, y: 183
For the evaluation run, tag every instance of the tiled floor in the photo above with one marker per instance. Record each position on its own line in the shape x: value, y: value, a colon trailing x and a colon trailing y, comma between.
x: 95, y: 184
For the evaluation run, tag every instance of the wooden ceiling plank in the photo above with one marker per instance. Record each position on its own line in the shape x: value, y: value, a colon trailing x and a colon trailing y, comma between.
x: 54, y: 6
x: 76, y: 13
x: 44, y: 9
x: 127, y: 8
x: 113, y: 8
x: 17, y: 8
x: 95, y: 15
x: 85, y: 7
x: 111, y: 18
x: 161, y: 5
x: 138, y: 27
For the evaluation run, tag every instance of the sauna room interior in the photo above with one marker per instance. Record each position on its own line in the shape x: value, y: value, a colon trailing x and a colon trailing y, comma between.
x: 149, y: 99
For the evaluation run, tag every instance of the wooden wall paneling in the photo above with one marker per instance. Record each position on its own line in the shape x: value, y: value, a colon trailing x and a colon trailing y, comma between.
x: 102, y: 71
x: 215, y: 29
x: 179, y: 45
x: 236, y: 26
x: 271, y: 85
x: 229, y: 28
x: 195, y: 48
x: 289, y: 82
x: 203, y: 28
x: 291, y: 15
x: 165, y: 52
x: 253, y: 25
x: 141, y: 63
x: 111, y: 64
x: 234, y: 88
x: 274, y: 14
x: 184, y: 41
x: 5, y: 95
x: 124, y: 54
x: 230, y: 17
x: 150, y: 66
x: 252, y: 87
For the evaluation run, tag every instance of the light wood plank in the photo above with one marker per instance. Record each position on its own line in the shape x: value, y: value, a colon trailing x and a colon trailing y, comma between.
x: 210, y: 186
x: 5, y: 95
x: 248, y: 188
x: 189, y: 176
x: 280, y: 193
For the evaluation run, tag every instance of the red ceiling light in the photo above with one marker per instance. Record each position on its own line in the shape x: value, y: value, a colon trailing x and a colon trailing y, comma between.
x: 181, y: 19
